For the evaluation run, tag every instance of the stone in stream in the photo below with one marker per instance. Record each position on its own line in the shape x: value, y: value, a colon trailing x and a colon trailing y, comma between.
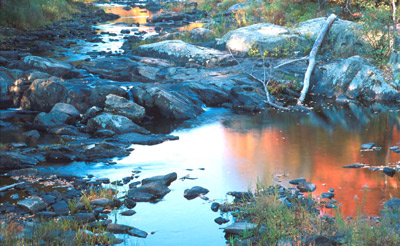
x: 116, y: 123
x: 238, y: 228
x: 32, y: 134
x: 15, y: 160
x: 121, y: 106
x: 137, y: 233
x: 306, y: 187
x: 297, y: 181
x: 327, y: 195
x: 32, y: 205
x: 165, y: 179
x: 389, y: 171
x: 215, y: 206
x: 118, y: 229
x: 136, y: 138
x: 129, y: 212
x: 221, y: 220
x: 194, y: 192
x: 51, y: 66
x: 355, y: 165
x: 368, y: 145
x: 241, y: 195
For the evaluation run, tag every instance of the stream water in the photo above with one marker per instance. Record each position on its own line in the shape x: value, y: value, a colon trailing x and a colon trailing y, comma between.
x: 225, y: 152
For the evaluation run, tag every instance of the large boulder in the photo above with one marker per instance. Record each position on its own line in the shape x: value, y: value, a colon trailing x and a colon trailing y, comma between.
x: 121, y: 106
x: 356, y: 78
x: 116, y: 123
x: 343, y: 39
x: 51, y: 66
x: 7, y: 79
x: 43, y: 94
x: 183, y: 53
x: 160, y: 101
x: 276, y: 40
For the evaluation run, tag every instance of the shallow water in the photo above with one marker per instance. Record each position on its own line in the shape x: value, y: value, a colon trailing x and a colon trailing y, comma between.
x: 238, y: 150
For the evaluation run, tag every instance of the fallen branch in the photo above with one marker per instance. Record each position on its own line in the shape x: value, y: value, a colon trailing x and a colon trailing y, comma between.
x: 291, y: 61
x: 311, y: 59
x: 10, y: 186
x: 263, y: 82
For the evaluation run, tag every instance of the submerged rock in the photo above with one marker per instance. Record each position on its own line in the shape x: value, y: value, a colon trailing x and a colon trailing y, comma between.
x: 137, y: 233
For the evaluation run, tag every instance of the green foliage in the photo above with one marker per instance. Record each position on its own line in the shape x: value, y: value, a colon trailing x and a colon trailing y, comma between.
x: 32, y: 13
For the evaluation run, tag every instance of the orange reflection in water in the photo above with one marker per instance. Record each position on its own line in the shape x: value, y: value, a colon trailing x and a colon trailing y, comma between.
x: 318, y: 155
x: 191, y: 26
x: 132, y: 16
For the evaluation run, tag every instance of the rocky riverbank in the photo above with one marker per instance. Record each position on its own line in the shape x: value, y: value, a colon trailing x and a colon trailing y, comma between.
x: 95, y: 110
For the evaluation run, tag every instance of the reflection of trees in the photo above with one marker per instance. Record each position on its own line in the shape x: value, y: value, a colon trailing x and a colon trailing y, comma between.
x: 316, y: 146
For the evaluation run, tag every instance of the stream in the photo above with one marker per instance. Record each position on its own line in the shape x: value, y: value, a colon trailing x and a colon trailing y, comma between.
x: 224, y: 151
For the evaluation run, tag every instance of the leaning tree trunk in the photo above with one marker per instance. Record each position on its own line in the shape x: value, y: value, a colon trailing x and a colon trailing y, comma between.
x: 311, y: 58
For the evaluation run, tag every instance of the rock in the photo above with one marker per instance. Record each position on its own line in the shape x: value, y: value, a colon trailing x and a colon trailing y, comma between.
x: 160, y: 101
x: 389, y: 171
x: 7, y: 79
x: 32, y: 205
x: 368, y: 145
x: 16, y: 160
x: 137, y: 233
x: 247, y: 98
x: 116, y: 123
x: 148, y: 192
x: 393, y: 204
x: 136, y: 138
x: 64, y: 130
x: 121, y: 106
x: 238, y: 228
x: 215, y: 206
x: 264, y: 37
x: 355, y: 165
x: 26, y: 172
x: 183, y: 53
x: 241, y: 195
x: 164, y: 179
x: 104, y: 150
x: 194, y: 192
x: 103, y: 180
x: 167, y: 16
x: 51, y: 66
x: 201, y: 34
x: 129, y: 203
x: 60, y: 114
x: 128, y: 212
x: 46, y: 215
x: 90, y: 113
x: 32, y: 134
x: 221, y: 220
x: 306, y: 187
x: 327, y: 195
x: 104, y: 133
x: 148, y: 72
x: 102, y: 202
x: 355, y: 78
x: 318, y: 240
x: 118, y: 229
x: 61, y: 208
x: 85, y: 217
x: 297, y: 181
x: 48, y: 199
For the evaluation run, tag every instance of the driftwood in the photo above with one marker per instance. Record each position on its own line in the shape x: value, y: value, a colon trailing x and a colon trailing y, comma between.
x: 10, y: 186
x: 311, y: 57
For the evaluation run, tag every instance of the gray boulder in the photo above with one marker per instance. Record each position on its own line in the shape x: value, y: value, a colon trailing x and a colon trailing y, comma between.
x: 160, y: 101
x: 90, y: 113
x: 116, y: 123
x: 7, y: 79
x: 60, y: 115
x: 183, y: 53
x: 194, y: 192
x: 356, y: 78
x: 264, y: 37
x: 201, y: 34
x: 51, y: 66
x: 148, y: 192
x: 121, y: 106
x: 165, y: 179
x: 32, y: 205
x: 306, y: 187
x: 16, y: 160
x: 343, y: 40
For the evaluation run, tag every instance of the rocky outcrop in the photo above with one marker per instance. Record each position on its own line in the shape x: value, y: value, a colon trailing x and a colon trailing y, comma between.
x: 356, y: 78
x: 160, y: 101
x: 116, y: 123
x: 183, y: 53
x: 264, y: 37
x: 343, y: 39
x: 43, y: 94
x: 121, y: 106
x: 51, y: 66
